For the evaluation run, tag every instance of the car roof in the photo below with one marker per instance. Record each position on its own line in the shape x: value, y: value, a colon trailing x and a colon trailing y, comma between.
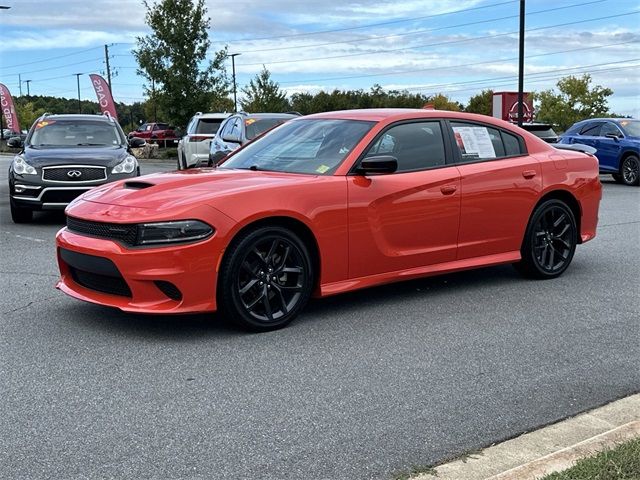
x: 78, y: 116
x: 212, y: 115
x: 267, y: 115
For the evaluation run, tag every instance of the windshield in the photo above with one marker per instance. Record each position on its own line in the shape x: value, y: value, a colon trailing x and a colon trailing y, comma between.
x: 631, y: 127
x: 302, y: 146
x: 258, y: 127
x: 75, y: 133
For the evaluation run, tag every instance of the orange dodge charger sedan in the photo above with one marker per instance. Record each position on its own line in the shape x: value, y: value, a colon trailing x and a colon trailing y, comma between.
x: 329, y: 203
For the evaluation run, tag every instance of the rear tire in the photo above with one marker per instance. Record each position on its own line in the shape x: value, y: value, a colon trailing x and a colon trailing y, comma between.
x: 630, y: 171
x: 20, y: 215
x: 266, y: 279
x: 549, y: 242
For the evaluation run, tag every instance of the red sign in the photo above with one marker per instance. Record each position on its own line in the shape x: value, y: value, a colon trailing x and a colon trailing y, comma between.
x: 505, y: 106
x: 8, y: 109
x: 103, y: 93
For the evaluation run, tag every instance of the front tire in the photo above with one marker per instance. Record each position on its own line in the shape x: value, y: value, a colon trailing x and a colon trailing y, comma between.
x: 630, y: 171
x: 266, y: 279
x: 550, y: 241
x: 19, y: 214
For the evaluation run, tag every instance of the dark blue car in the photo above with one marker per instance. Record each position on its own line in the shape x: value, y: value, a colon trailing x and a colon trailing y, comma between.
x: 617, y: 141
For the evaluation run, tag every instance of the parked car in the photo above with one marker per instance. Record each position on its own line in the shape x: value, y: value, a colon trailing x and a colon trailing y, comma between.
x: 617, y: 141
x: 241, y: 128
x: 542, y: 130
x: 154, y: 131
x: 64, y: 156
x: 193, y: 147
x: 330, y: 203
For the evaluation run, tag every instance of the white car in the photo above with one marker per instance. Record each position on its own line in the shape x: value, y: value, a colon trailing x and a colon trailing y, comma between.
x: 193, y: 148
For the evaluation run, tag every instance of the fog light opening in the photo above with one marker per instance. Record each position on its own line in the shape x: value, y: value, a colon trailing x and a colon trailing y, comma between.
x: 169, y: 289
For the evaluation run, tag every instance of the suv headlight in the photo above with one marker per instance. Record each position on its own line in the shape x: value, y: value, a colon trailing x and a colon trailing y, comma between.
x: 169, y: 232
x: 21, y: 167
x: 128, y: 165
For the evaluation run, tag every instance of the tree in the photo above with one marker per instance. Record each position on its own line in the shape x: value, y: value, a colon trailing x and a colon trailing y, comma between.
x: 481, y: 103
x: 171, y: 57
x: 443, y: 102
x: 264, y: 95
x: 575, y: 101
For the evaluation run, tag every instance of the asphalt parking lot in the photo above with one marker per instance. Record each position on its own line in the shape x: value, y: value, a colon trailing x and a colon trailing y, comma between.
x: 362, y: 386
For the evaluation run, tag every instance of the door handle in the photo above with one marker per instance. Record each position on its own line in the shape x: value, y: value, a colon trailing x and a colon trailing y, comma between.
x: 448, y: 189
x: 529, y: 173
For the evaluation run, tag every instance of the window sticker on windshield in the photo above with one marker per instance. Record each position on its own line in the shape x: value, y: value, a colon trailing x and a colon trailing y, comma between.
x: 249, y: 121
x: 624, y: 123
x: 44, y: 124
x: 322, y: 169
x: 474, y: 142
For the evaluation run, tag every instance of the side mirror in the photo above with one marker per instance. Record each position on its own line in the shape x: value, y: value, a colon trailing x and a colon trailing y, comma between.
x: 15, y: 142
x: 137, y: 142
x: 615, y: 136
x: 231, y: 138
x: 377, y: 165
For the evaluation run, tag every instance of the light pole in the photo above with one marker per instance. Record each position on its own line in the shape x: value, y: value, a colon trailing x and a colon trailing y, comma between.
x: 28, y: 82
x: 521, y: 65
x: 78, y: 80
x: 233, y: 69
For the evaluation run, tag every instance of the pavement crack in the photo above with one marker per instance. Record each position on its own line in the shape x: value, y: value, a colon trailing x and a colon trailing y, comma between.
x: 616, y: 224
x: 27, y: 305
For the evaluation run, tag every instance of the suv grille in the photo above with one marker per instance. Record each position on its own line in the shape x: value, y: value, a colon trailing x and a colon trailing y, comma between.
x: 121, y: 232
x: 74, y: 174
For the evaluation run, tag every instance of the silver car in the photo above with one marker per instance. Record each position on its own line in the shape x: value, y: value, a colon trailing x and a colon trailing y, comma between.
x: 193, y: 148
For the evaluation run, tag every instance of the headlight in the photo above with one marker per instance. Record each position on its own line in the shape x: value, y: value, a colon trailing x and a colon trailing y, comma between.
x: 21, y: 167
x: 128, y: 165
x: 169, y: 232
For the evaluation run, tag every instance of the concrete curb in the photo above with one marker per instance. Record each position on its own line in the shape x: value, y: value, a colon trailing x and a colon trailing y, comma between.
x: 549, y: 449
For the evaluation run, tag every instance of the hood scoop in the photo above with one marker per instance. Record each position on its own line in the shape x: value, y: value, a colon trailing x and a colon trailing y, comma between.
x: 133, y: 185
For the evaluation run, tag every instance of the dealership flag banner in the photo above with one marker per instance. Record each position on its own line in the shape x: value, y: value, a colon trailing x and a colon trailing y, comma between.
x: 104, y: 95
x: 8, y: 109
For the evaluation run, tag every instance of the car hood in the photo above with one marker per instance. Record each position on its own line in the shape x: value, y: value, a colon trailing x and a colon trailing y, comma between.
x: 189, y: 188
x: 104, y: 157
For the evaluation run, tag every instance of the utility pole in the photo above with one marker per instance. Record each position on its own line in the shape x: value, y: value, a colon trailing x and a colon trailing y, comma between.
x: 106, y: 59
x: 28, y: 82
x: 78, y: 79
x: 20, y: 83
x: 233, y: 69
x: 155, y: 105
x: 521, y: 66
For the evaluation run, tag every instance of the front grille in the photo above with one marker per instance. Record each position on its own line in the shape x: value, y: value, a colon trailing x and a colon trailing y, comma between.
x: 121, y: 232
x: 101, y: 283
x: 60, y: 196
x: 74, y: 174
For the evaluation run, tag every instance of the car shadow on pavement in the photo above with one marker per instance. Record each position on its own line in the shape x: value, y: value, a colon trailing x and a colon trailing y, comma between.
x: 190, y: 327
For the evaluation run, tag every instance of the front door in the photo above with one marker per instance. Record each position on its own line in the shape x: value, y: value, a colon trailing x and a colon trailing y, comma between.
x: 408, y: 218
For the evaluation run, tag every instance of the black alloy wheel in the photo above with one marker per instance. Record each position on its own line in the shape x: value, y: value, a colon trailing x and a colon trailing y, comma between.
x: 630, y: 170
x: 266, y: 280
x: 550, y: 241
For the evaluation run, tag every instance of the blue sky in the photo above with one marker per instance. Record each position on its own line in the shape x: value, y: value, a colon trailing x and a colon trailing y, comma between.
x: 456, y: 47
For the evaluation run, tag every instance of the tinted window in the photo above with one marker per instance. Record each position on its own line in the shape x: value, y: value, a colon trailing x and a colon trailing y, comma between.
x: 208, y: 126
x: 257, y: 127
x: 416, y: 146
x: 511, y: 144
x: 610, y: 128
x: 593, y: 129
x: 481, y: 142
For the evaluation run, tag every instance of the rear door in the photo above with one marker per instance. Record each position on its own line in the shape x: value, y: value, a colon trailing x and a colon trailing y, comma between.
x: 409, y: 218
x: 500, y: 185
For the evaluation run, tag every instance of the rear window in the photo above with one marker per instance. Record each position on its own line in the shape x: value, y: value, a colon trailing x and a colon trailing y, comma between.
x: 208, y: 126
x: 257, y: 127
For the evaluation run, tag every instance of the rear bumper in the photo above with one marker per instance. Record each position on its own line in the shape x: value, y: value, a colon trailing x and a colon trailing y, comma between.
x: 178, y: 279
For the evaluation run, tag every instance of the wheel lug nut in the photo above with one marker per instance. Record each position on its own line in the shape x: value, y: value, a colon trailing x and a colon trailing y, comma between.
x: 261, y: 283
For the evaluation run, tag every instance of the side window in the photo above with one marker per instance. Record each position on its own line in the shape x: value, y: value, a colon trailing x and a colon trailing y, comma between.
x: 236, y: 129
x: 416, y: 146
x: 191, y: 126
x: 610, y: 128
x: 481, y: 142
x: 511, y: 144
x: 592, y: 130
x: 226, y: 128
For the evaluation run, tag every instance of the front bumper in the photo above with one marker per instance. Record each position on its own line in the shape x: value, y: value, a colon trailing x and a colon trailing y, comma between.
x: 176, y: 279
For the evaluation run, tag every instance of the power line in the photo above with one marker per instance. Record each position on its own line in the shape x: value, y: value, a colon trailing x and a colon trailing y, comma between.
x: 318, y: 32
x: 415, y: 32
x: 457, y: 66
x: 470, y: 39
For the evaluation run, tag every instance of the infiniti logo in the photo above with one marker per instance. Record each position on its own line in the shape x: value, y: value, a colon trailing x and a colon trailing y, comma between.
x: 74, y: 173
